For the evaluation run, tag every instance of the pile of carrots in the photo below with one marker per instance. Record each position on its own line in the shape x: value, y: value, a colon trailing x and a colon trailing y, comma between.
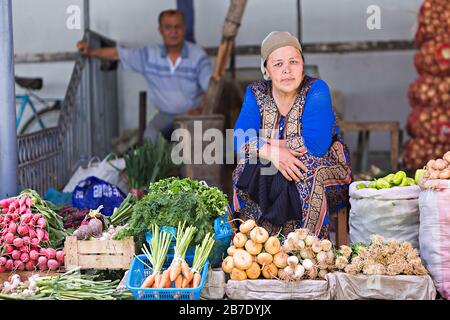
x: 179, y: 274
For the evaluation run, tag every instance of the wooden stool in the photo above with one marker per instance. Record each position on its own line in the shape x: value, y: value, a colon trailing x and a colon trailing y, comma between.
x: 364, y: 129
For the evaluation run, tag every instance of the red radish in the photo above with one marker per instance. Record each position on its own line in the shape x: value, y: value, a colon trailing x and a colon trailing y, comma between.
x: 26, y: 218
x: 36, y: 217
x: 1, y: 219
x: 40, y: 234
x: 42, y: 263
x: 19, y: 265
x: 15, y: 254
x: 30, y: 265
x: 43, y: 252
x: 51, y: 253
x: 12, y: 227
x: 46, y: 237
x: 24, y: 249
x: 9, y: 249
x: 2, y: 261
x: 4, y: 202
x: 23, y: 208
x: 29, y: 202
x: 5, y: 210
x: 24, y: 257
x: 41, y: 223
x: 15, y: 216
x: 7, y: 219
x: 22, y: 230
x: 9, y: 238
x: 26, y: 240
x: 52, y: 264
x: 9, y: 265
x: 34, y: 255
x: 35, y: 242
x: 2, y: 269
x: 18, y: 242
x: 31, y: 233
x: 28, y: 211
x: 60, y: 256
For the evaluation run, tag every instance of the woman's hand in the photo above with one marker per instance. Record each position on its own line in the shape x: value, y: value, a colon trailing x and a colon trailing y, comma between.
x: 282, y: 143
x: 285, y: 160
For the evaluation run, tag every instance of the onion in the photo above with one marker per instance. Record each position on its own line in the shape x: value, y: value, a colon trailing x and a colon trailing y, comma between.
x: 264, y: 258
x: 326, y: 245
x: 270, y: 271
x: 239, y: 240
x: 307, y: 264
x: 237, y: 274
x: 247, y: 226
x: 242, y: 259
x: 227, y: 264
x: 309, y: 240
x: 254, y: 271
x: 231, y: 250
x: 252, y: 247
x: 280, y: 259
x: 272, y: 245
x: 298, y: 272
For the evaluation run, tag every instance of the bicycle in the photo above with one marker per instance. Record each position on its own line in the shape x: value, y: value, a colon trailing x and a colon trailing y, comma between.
x: 40, y: 119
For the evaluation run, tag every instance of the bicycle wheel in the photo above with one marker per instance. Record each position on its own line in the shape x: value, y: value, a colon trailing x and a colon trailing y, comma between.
x: 49, y: 117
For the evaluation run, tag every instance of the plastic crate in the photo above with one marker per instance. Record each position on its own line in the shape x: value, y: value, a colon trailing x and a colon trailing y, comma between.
x: 138, y: 272
x: 222, y: 235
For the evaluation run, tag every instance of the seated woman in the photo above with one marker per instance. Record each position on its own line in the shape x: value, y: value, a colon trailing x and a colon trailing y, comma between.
x: 287, y: 124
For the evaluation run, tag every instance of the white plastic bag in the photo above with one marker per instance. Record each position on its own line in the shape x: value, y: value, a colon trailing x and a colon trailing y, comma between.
x: 107, y: 170
x: 392, y: 213
x: 382, y: 287
x: 434, y: 235
x: 265, y: 289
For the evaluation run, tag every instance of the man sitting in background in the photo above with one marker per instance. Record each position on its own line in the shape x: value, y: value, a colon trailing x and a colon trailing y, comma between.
x: 177, y: 72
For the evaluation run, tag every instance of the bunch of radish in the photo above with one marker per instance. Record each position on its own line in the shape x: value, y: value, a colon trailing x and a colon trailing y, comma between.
x: 434, y: 20
x: 430, y: 123
x: 429, y: 91
x: 419, y: 151
x: 24, y: 239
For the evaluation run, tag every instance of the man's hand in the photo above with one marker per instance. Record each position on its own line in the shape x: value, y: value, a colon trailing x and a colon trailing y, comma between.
x: 83, y: 47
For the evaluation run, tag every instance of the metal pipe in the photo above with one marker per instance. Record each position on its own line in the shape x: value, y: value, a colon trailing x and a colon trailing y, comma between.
x: 299, y: 20
x: 86, y: 15
x: 8, y: 135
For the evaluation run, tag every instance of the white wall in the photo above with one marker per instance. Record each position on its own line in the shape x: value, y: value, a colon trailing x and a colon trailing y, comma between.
x: 374, y: 85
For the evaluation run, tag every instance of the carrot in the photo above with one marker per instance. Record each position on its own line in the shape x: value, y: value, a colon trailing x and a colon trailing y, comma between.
x: 149, y: 281
x: 164, y: 278
x: 158, y: 280
x: 168, y: 283
x: 179, y: 281
x: 197, y: 279
x: 186, y: 271
x: 175, y: 270
x: 185, y: 283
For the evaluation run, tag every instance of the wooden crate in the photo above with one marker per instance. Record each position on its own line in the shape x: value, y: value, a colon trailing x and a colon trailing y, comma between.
x: 98, y: 254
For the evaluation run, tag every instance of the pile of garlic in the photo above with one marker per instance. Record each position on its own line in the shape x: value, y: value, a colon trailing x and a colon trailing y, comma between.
x: 380, y: 258
x: 310, y: 257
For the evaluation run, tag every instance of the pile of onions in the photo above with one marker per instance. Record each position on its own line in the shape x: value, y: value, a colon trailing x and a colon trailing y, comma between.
x: 439, y: 168
x: 419, y: 151
x: 254, y: 254
x: 434, y: 57
x: 432, y: 124
x: 310, y: 257
x: 430, y: 91
x: 434, y: 20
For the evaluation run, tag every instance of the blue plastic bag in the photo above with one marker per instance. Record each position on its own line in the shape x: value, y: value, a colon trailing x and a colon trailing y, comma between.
x: 93, y: 192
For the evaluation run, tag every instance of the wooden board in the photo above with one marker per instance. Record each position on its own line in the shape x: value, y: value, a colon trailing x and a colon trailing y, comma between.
x: 24, y: 275
x: 98, y: 254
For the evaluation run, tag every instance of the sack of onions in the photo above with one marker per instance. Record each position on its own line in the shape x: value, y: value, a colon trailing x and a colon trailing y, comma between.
x: 438, y: 168
x: 430, y: 123
x: 434, y: 20
x: 430, y: 91
x: 418, y: 151
x: 434, y: 57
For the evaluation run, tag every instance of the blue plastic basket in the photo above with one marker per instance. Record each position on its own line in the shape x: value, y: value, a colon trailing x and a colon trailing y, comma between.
x: 138, y: 272
x: 222, y: 235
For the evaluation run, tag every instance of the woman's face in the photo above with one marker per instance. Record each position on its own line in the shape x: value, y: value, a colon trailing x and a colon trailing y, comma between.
x: 285, y: 68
